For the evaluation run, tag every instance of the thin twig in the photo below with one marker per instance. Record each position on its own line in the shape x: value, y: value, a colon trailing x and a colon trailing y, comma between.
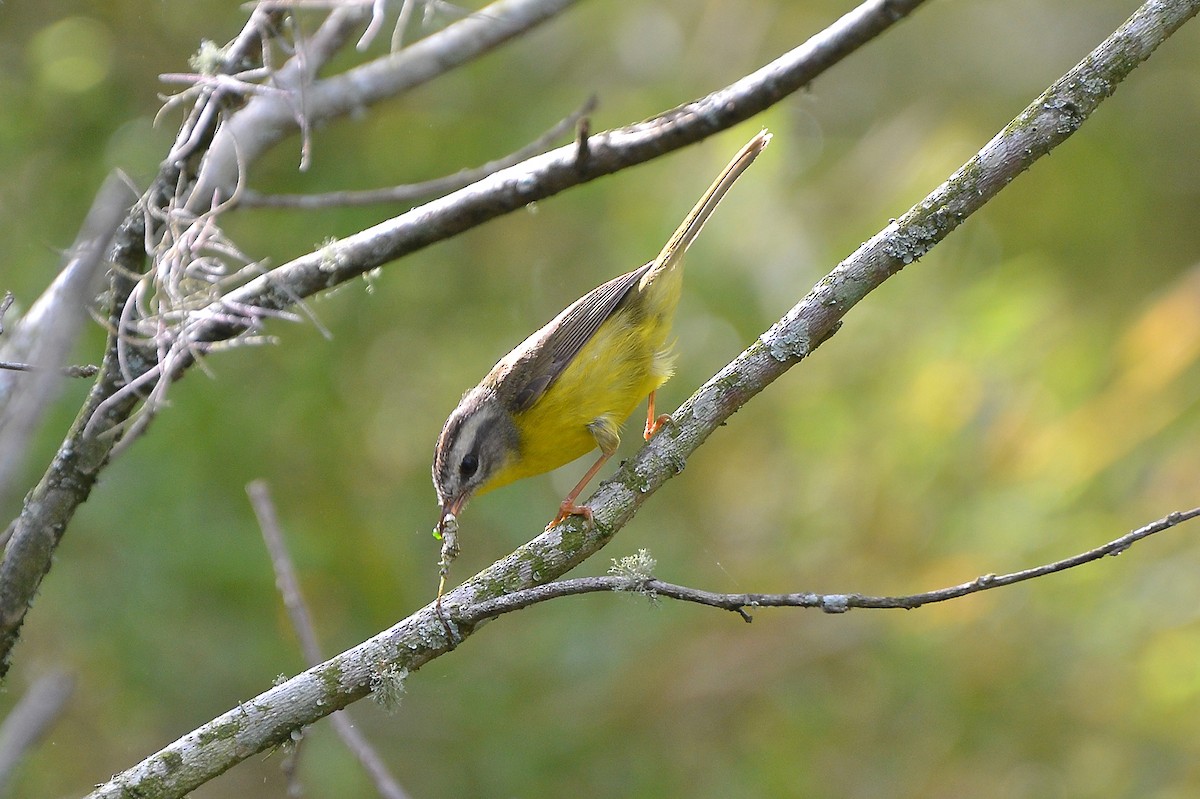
x: 29, y: 719
x: 84, y: 370
x: 288, y: 586
x: 293, y: 600
x: 583, y: 130
x: 285, y: 573
x: 5, y: 304
x: 429, y: 188
x: 357, y: 743
x: 829, y: 603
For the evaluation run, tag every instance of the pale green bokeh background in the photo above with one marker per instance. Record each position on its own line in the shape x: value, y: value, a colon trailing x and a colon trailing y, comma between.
x: 1026, y: 391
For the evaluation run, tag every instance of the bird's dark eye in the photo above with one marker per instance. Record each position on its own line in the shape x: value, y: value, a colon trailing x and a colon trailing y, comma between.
x: 470, y: 463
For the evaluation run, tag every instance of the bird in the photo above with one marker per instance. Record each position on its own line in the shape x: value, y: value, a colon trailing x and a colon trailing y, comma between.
x: 567, y: 389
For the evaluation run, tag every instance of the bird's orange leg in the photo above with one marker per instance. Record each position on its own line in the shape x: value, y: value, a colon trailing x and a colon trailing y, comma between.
x: 653, y: 423
x: 568, y: 507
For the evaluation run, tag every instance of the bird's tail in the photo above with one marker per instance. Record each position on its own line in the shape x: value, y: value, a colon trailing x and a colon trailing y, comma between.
x: 690, y: 228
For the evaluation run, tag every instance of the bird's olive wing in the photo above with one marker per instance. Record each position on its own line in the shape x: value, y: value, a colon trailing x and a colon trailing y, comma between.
x: 571, y: 330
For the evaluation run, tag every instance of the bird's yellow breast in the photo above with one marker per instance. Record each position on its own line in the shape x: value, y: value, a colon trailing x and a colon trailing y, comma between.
x: 626, y: 358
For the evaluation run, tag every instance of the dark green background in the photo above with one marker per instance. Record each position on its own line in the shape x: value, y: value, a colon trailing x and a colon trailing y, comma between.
x: 1028, y: 390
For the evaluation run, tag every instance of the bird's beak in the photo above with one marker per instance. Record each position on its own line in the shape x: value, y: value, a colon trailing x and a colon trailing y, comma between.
x: 450, y: 510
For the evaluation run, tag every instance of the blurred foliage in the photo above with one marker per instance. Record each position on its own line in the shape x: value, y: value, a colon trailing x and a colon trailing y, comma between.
x: 1025, y: 392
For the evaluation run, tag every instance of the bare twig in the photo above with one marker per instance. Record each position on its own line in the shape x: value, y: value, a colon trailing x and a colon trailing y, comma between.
x: 583, y: 129
x: 83, y: 370
x: 29, y: 719
x: 829, y: 603
x: 356, y: 742
x: 5, y: 304
x: 293, y: 600
x: 271, y: 717
x: 429, y: 188
x: 285, y: 573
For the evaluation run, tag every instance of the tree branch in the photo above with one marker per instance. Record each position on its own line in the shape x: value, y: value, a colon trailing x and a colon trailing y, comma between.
x: 429, y: 188
x: 41, y: 340
x: 293, y: 600
x: 49, y: 507
x: 269, y: 719
x: 645, y: 583
x: 198, y: 129
x: 29, y: 719
x: 81, y: 370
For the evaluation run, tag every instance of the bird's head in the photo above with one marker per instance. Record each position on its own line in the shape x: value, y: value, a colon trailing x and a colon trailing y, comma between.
x: 477, y: 441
